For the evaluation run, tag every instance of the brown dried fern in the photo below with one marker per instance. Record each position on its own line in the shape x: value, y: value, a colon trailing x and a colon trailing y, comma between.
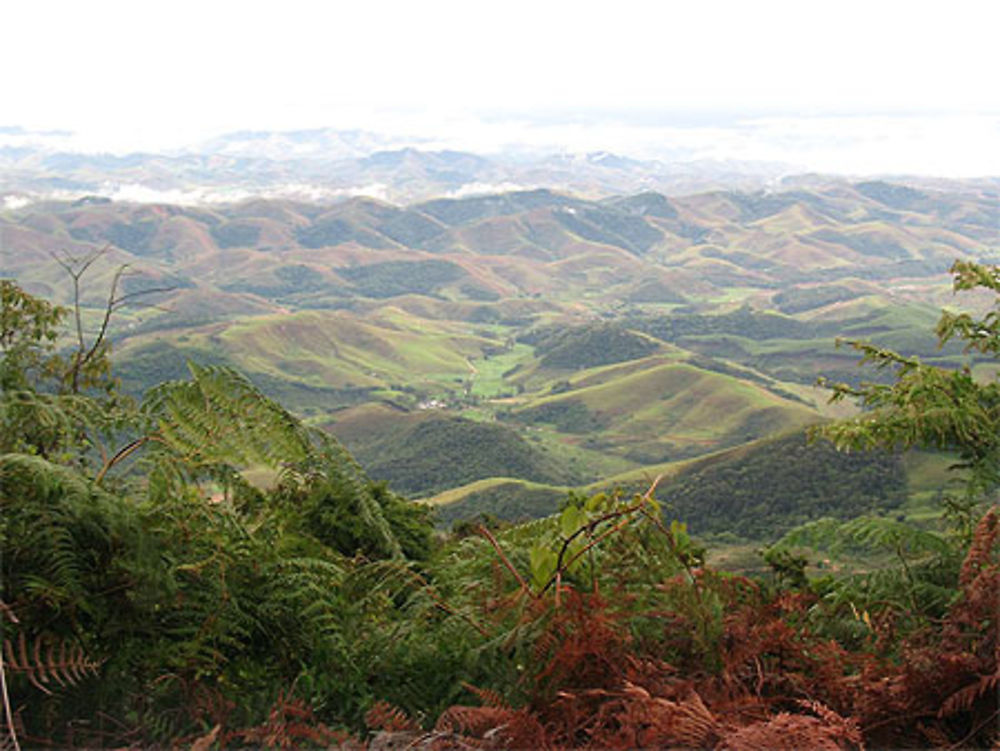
x: 827, y: 731
x: 488, y: 697
x: 385, y: 716
x: 49, y: 661
x: 290, y: 724
x: 496, y: 725
x: 980, y: 584
x: 645, y: 721
x: 964, y: 699
x: 980, y: 551
x: 473, y: 722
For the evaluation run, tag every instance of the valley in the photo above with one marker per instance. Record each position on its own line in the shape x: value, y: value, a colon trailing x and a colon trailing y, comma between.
x: 489, y: 353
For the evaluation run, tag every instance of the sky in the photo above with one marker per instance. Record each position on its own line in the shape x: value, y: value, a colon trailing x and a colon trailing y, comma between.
x: 862, y: 86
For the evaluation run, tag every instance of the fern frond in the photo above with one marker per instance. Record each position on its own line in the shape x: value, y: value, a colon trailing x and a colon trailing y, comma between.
x: 980, y: 553
x: 867, y: 532
x: 965, y: 698
x: 290, y: 724
x: 889, y: 534
x: 49, y: 423
x: 790, y: 732
x: 8, y: 741
x: 42, y: 479
x: 218, y: 422
x: 385, y: 716
x: 473, y: 721
x: 219, y: 416
x: 488, y: 697
x: 43, y: 666
x: 54, y: 522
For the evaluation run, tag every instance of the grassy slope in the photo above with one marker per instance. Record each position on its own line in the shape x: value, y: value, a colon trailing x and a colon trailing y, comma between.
x: 674, y: 406
x: 338, y: 350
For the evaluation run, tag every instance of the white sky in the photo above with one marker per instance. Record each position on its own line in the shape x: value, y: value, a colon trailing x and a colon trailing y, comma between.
x: 150, y: 74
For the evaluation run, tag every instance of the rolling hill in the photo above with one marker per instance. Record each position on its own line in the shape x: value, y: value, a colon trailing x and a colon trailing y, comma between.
x: 529, y: 337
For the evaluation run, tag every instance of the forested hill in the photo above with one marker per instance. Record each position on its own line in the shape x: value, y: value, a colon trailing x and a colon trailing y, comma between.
x: 756, y: 492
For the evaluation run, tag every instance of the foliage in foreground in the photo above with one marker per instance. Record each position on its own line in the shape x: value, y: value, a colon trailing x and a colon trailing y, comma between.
x: 151, y: 596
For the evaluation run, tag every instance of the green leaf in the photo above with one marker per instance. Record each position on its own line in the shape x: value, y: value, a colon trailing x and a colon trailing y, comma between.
x: 571, y: 519
x: 543, y: 564
x: 596, y: 502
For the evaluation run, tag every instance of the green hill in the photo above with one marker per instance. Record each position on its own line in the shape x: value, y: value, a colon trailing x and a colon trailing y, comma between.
x: 659, y: 410
x: 428, y: 453
x: 761, y: 491
x: 509, y: 500
x: 590, y: 346
x: 756, y: 492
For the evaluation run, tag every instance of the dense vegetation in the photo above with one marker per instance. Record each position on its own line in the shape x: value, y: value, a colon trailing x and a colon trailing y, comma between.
x: 770, y: 487
x: 744, y: 322
x: 400, y: 277
x: 589, y: 346
x: 152, y: 595
x: 441, y: 452
x: 757, y: 492
x: 566, y: 416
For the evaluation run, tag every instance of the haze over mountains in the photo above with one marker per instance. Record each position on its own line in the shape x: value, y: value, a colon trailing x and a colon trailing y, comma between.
x: 328, y: 164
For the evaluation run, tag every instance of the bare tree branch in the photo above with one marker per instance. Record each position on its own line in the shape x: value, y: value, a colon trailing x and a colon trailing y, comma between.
x: 76, y: 268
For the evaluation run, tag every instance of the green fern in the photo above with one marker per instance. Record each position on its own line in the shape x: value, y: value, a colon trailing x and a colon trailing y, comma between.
x: 220, y: 417
x: 866, y: 533
x: 47, y: 511
x: 219, y: 422
x: 54, y: 425
x: 920, y: 584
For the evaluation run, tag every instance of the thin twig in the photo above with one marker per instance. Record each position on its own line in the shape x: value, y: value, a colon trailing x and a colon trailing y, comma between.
x: 503, y: 557
x: 976, y: 729
x: 590, y: 526
x: 123, y: 453
x: 76, y: 268
x: 604, y: 535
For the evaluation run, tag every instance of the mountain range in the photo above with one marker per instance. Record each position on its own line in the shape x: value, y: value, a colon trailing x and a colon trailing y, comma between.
x: 533, y: 339
x: 328, y: 164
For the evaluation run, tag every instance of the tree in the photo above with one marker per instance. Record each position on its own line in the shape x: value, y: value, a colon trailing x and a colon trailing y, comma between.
x: 89, y: 366
x: 61, y: 399
x: 33, y: 417
x: 44, y: 405
x: 934, y: 407
x: 29, y: 328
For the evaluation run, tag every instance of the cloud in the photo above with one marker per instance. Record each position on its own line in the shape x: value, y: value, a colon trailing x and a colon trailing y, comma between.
x: 484, y: 189
x: 940, y: 145
x: 12, y: 203
x: 195, y: 196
